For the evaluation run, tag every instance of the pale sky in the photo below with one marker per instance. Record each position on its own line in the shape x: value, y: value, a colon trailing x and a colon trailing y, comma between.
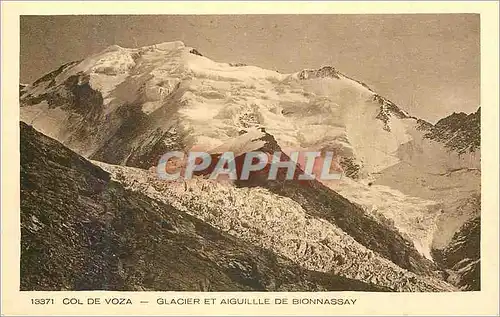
x: 427, y: 64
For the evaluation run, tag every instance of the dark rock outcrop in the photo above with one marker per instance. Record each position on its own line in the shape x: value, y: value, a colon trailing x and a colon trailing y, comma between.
x: 195, y: 52
x: 323, y: 72
x: 387, y: 110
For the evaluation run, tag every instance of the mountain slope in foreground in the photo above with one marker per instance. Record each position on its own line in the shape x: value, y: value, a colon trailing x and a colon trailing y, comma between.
x: 83, y: 231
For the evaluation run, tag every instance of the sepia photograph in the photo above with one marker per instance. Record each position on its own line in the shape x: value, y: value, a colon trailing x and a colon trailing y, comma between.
x: 280, y: 153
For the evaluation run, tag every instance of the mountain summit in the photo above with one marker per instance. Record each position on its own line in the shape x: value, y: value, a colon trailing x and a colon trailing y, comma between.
x: 143, y: 102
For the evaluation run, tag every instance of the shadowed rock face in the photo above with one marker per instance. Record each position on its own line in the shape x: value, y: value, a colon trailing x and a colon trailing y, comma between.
x: 462, y: 256
x: 22, y: 88
x: 82, y: 231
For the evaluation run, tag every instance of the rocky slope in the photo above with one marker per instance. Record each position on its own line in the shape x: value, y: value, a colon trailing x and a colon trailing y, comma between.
x: 83, y: 231
x: 462, y: 256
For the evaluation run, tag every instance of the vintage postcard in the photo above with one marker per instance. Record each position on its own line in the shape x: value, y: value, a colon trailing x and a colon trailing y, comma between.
x: 212, y: 158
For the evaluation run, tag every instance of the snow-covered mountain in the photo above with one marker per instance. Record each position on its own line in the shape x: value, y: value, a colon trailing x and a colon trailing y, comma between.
x: 141, y: 102
x: 406, y: 178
